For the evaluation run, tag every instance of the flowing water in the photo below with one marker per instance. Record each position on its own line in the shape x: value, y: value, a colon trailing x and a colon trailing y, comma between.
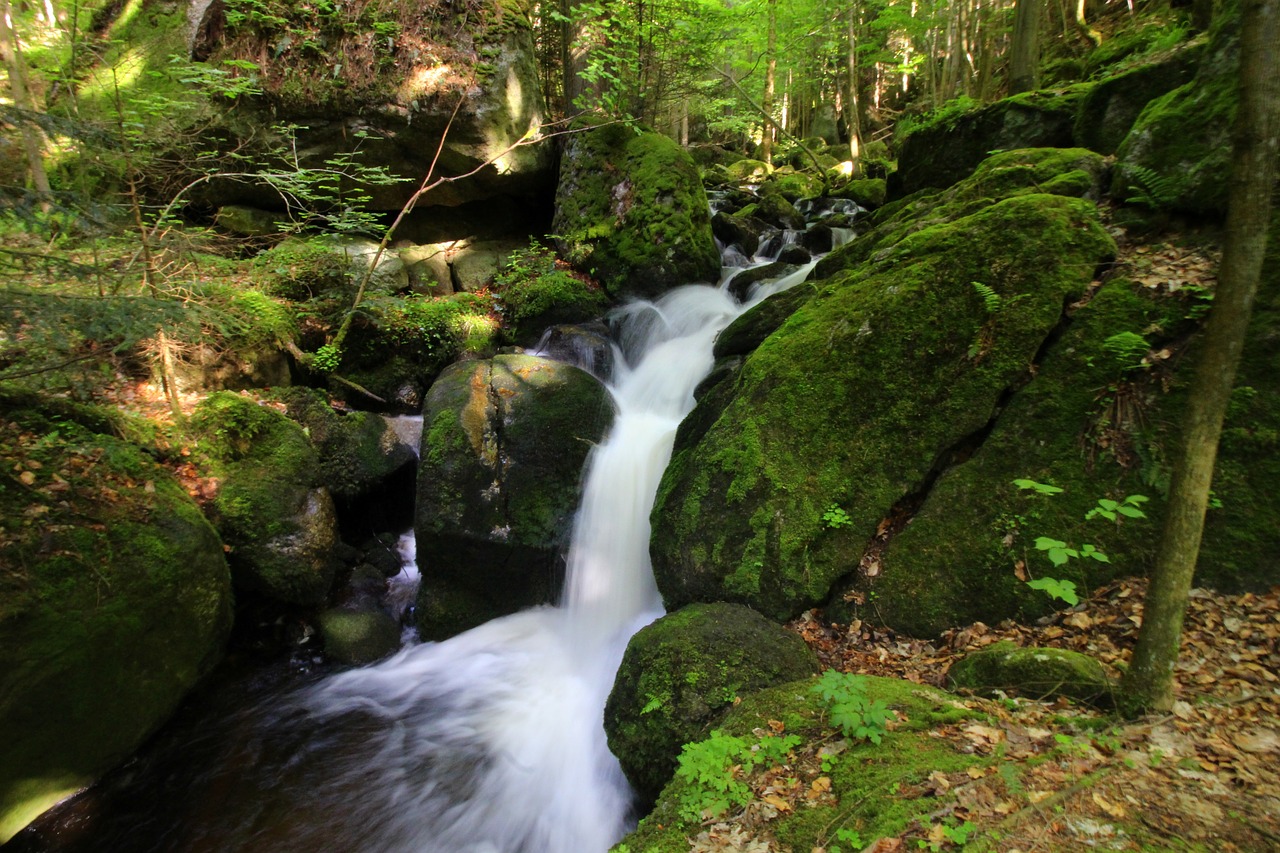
x: 492, y: 741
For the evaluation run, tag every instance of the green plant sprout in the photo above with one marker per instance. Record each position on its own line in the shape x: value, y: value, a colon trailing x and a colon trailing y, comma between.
x: 853, y: 712
x: 835, y: 517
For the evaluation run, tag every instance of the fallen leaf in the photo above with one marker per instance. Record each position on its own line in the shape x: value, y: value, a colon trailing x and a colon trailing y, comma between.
x: 27, y: 478
x: 1115, y: 810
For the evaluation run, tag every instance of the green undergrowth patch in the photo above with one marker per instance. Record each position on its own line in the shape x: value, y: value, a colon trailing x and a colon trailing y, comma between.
x: 782, y: 767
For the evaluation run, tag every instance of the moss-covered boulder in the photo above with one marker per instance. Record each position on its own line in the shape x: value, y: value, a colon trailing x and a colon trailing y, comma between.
x: 1109, y: 109
x: 115, y: 599
x: 741, y: 231
x: 1093, y: 424
x: 356, y: 451
x: 1037, y: 673
x: 503, y: 447
x: 774, y: 209
x: 1177, y: 156
x: 535, y: 293
x: 865, y: 192
x: 358, y: 635
x: 746, y: 170
x: 270, y: 507
x: 856, y: 401
x: 682, y: 672
x: 399, y: 345
x: 1070, y: 172
x: 875, y: 789
x: 631, y: 212
x: 950, y: 145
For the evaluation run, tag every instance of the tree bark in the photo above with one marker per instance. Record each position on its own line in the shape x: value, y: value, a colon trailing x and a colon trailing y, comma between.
x: 1148, y: 683
x: 852, y: 104
x: 32, y: 138
x: 770, y: 73
x: 578, y: 41
x: 1024, y: 54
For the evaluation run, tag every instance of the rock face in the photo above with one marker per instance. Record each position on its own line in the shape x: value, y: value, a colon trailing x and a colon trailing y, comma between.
x: 503, y: 446
x: 1178, y: 152
x: 631, y: 212
x: 863, y: 393
x: 112, y: 605
x: 682, y: 672
x: 270, y: 507
x: 396, y: 73
x: 1109, y: 110
x: 942, y: 153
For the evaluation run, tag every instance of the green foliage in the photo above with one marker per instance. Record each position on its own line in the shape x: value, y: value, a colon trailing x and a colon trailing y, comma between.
x: 850, y: 709
x: 835, y: 517
x: 715, y: 769
x: 530, y: 287
x: 327, y: 358
x: 1151, y: 189
x: 1126, y: 350
x: 847, y: 836
x: 957, y: 835
x: 990, y: 299
x: 1058, y: 590
x: 1059, y: 552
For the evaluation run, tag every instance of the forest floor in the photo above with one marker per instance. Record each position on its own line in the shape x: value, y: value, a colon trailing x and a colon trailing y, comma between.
x: 1204, y: 777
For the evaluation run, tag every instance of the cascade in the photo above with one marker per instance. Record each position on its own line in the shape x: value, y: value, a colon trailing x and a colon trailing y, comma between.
x: 491, y: 741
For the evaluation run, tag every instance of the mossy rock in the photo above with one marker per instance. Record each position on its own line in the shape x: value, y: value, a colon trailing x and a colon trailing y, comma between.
x: 682, y: 672
x: 1037, y: 673
x: 503, y: 446
x: 1178, y: 153
x: 244, y: 221
x: 738, y: 230
x: 532, y: 305
x: 855, y: 400
x: 940, y: 154
x: 871, y: 784
x: 399, y: 345
x: 115, y: 599
x: 865, y: 192
x: 742, y: 282
x: 796, y: 185
x: 300, y: 269
x: 1070, y: 172
x: 357, y: 451
x: 754, y: 326
x: 777, y: 211
x: 747, y: 170
x: 358, y: 636
x: 1109, y: 110
x: 270, y: 507
x: 631, y: 212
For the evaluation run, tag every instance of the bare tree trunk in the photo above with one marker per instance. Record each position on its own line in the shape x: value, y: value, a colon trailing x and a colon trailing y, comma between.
x: 1082, y: 22
x: 578, y: 41
x: 770, y: 72
x: 32, y: 138
x: 1148, y: 683
x: 852, y: 120
x: 1024, y: 54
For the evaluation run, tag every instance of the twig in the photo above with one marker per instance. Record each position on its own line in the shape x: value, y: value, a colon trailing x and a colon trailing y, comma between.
x: 355, y: 386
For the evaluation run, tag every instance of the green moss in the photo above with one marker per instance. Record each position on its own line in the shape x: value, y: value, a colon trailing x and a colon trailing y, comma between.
x: 534, y: 295
x: 114, y: 600
x: 871, y: 785
x: 856, y: 398
x: 631, y: 212
x: 679, y: 675
x: 1037, y: 673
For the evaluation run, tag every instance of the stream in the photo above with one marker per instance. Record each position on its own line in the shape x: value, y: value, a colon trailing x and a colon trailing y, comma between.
x: 489, y: 742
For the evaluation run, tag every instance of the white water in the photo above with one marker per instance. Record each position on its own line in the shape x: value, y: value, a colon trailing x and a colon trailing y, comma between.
x: 493, y: 741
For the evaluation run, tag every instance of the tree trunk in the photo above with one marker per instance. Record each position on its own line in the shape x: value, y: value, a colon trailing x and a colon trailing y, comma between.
x: 852, y: 120
x: 1083, y: 23
x: 1024, y: 54
x: 32, y: 138
x: 770, y: 72
x: 1148, y: 683
x: 578, y: 41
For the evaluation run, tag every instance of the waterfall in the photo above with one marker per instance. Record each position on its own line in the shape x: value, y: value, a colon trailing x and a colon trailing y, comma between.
x: 493, y: 741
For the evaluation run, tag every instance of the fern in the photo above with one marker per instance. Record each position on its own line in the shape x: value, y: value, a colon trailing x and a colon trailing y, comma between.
x: 990, y: 299
x: 1151, y: 189
x: 1126, y: 349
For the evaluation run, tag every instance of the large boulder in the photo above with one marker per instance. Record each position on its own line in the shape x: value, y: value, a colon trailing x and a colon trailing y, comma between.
x: 951, y: 145
x: 1178, y: 154
x: 270, y: 507
x: 857, y: 400
x: 503, y: 447
x: 357, y: 451
x: 114, y: 600
x: 681, y: 673
x: 1111, y: 107
x: 631, y: 212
